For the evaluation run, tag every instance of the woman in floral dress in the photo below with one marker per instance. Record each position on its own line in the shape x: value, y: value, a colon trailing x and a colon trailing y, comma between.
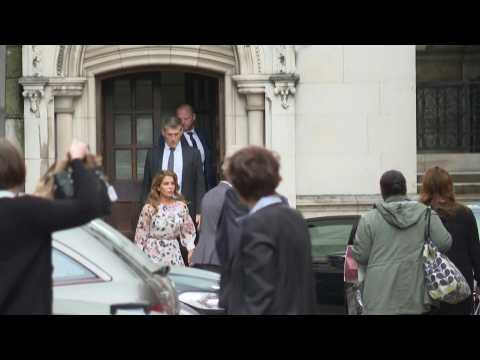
x: 163, y: 220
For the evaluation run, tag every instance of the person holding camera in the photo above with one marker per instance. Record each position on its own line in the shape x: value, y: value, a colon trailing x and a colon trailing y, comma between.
x: 26, y: 228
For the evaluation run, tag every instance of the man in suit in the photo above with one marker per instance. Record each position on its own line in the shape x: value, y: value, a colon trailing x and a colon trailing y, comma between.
x: 183, y: 160
x: 272, y: 267
x: 194, y: 138
x: 205, y: 255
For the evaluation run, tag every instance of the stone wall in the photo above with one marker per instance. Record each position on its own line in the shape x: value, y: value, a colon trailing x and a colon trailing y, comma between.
x: 355, y: 119
x: 13, y: 96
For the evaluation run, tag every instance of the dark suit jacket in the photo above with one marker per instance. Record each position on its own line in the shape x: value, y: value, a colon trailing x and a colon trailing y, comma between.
x: 227, y: 240
x: 209, y: 171
x: 193, y: 183
x: 272, y: 268
x: 210, y: 162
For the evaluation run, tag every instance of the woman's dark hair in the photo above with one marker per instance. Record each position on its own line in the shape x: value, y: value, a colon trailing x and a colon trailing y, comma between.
x: 12, y: 166
x: 437, y: 191
x: 254, y: 172
x: 393, y: 183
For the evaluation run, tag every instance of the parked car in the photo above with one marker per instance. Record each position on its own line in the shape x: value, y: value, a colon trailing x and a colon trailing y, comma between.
x: 197, y: 288
x: 330, y: 236
x: 96, y: 270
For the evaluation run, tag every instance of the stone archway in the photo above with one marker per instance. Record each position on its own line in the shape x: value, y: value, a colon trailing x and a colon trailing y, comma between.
x: 61, y: 90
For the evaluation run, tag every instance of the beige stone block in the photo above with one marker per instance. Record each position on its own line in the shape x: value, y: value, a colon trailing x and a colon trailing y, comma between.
x: 241, y: 130
x: 398, y: 97
x: 332, y: 133
x: 96, y: 51
x: 352, y: 98
x: 336, y: 173
x: 379, y: 62
x: 320, y: 63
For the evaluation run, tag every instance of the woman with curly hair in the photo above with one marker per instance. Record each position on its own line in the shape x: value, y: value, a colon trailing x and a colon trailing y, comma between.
x: 163, y: 221
x: 437, y: 192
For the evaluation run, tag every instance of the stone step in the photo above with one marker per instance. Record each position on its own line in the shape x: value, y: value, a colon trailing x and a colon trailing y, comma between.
x: 462, y: 188
x: 459, y: 177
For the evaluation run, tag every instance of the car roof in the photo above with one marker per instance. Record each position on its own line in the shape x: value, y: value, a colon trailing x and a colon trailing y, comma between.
x: 333, y: 217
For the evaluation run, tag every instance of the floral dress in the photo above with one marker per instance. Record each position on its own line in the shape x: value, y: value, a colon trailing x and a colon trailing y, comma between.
x: 159, y: 228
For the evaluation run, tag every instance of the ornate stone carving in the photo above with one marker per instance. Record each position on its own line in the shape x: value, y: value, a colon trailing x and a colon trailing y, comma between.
x: 36, y: 60
x: 284, y: 59
x: 61, y: 54
x: 284, y: 85
x: 34, y: 96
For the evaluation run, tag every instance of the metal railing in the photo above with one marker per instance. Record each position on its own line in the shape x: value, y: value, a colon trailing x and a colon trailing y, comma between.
x: 448, y: 115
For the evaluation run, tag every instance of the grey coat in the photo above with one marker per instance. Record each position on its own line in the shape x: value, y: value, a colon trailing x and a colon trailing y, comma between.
x: 389, y: 243
x: 212, y: 203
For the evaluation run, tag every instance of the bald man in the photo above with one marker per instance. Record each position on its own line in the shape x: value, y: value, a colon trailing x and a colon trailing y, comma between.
x: 194, y: 138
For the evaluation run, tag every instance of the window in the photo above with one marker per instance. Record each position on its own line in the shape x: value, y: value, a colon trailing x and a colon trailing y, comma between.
x: 329, y: 238
x: 68, y: 270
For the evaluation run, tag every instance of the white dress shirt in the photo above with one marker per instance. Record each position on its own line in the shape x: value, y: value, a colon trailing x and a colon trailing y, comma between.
x: 177, y: 161
x: 197, y: 140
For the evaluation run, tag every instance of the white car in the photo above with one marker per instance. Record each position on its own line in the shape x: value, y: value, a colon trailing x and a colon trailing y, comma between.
x: 98, y: 271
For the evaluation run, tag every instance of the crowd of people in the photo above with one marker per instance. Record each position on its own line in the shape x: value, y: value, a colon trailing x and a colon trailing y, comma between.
x: 240, y: 227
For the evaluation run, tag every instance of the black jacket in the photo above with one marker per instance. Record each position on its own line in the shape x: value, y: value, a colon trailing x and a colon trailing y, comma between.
x: 464, y: 253
x: 209, y: 170
x: 227, y: 240
x: 26, y: 246
x: 272, y: 269
x: 193, y: 183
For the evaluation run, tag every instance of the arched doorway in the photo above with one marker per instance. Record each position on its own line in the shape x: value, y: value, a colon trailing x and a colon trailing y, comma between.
x: 134, y: 106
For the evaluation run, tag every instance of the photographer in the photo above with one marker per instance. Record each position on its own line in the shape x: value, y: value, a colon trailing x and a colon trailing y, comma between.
x: 26, y: 228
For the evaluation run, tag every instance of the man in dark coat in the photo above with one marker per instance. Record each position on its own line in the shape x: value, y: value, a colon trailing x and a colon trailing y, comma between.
x: 183, y: 160
x: 272, y: 267
x: 196, y: 139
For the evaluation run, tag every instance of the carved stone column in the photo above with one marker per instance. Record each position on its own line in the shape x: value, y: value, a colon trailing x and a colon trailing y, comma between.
x: 281, y: 125
x: 253, y: 87
x: 65, y: 92
x: 36, y: 133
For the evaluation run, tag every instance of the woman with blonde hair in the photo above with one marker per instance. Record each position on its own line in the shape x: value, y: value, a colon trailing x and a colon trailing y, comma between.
x: 438, y: 192
x: 165, y: 219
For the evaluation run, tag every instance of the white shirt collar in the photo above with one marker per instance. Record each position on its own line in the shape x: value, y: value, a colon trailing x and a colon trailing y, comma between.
x: 264, y: 202
x: 177, y: 148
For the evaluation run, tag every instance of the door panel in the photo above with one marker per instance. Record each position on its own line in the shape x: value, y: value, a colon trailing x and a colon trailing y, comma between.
x: 329, y: 237
x: 202, y: 94
x: 135, y: 107
x: 132, y: 120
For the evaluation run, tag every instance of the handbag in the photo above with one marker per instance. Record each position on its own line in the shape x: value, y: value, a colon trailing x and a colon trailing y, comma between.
x: 444, y: 282
x: 350, y: 267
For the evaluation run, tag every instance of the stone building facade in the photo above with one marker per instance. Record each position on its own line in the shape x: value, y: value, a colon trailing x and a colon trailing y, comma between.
x: 337, y: 115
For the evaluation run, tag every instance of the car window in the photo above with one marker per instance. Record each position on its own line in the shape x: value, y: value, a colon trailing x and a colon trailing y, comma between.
x: 67, y: 269
x: 477, y: 217
x: 329, y: 238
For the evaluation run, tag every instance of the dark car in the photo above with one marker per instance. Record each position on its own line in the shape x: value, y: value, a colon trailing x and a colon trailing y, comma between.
x: 330, y: 236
